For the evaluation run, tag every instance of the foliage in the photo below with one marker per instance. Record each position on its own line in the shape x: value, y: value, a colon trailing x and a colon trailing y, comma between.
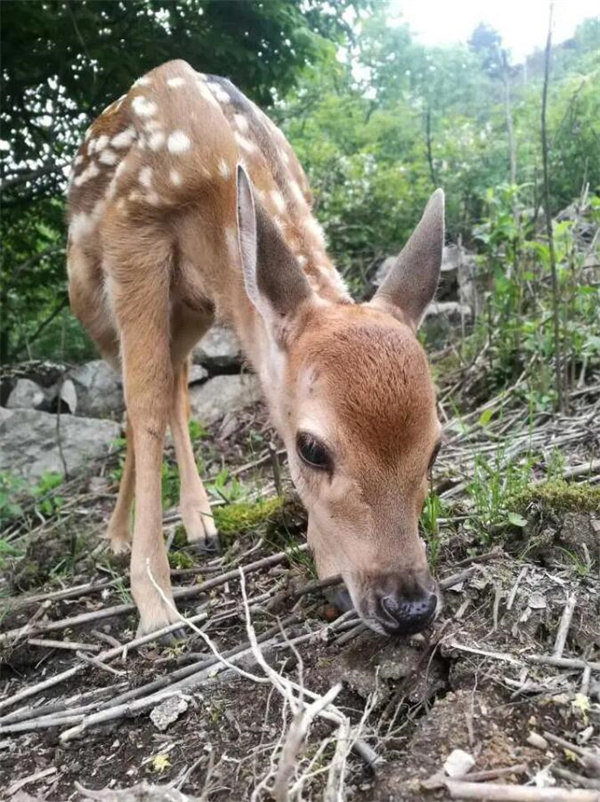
x: 379, y: 129
x: 494, y: 483
x: 63, y: 62
x: 514, y: 327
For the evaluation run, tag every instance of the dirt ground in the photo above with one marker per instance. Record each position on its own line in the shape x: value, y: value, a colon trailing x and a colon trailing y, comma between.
x: 479, y: 681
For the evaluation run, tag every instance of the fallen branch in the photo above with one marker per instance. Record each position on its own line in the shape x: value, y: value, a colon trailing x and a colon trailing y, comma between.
x: 565, y: 624
x: 517, y: 793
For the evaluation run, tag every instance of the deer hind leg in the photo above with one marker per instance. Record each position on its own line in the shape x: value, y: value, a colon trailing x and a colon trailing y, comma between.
x: 195, y: 508
x: 119, y: 526
x: 143, y: 316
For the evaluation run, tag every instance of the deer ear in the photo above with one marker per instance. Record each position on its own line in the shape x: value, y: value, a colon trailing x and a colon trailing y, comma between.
x: 411, y: 283
x: 274, y: 281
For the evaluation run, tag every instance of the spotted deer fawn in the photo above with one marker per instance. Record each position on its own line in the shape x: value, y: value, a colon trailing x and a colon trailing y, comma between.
x: 187, y: 205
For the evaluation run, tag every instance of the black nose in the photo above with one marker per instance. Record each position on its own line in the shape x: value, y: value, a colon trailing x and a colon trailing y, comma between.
x: 401, y: 615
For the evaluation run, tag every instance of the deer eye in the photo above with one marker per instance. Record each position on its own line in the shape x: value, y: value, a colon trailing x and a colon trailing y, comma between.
x: 436, y: 451
x: 312, y: 452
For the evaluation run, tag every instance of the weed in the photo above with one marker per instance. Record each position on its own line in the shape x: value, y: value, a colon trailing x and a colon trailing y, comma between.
x: 48, y: 503
x: 493, y: 486
x: 10, y: 486
x: 226, y: 487
x: 432, y: 512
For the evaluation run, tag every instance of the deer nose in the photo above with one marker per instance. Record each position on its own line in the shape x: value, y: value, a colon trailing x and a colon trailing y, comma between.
x: 402, y: 615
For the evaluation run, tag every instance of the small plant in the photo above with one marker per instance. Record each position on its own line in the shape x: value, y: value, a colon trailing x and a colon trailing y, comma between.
x: 48, y: 503
x: 432, y: 512
x: 493, y: 486
x: 10, y: 486
x: 226, y: 487
x: 170, y: 484
x: 197, y: 431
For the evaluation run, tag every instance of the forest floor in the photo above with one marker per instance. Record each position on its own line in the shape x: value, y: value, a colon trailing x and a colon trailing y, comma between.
x: 509, y: 673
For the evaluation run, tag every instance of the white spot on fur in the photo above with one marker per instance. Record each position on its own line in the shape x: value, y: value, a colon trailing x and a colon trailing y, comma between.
x: 81, y: 225
x: 145, y: 177
x: 302, y: 260
x: 297, y: 192
x: 207, y: 94
x: 278, y: 200
x: 245, y: 144
x: 218, y: 91
x: 108, y: 157
x: 175, y: 177
x: 178, y: 142
x: 144, y: 107
x: 175, y: 83
x: 91, y: 171
x: 102, y: 142
x: 120, y: 169
x: 152, y: 198
x: 78, y: 160
x: 224, y: 170
x: 91, y: 146
x: 143, y: 81
x: 124, y: 138
x: 156, y: 140
x: 242, y: 122
x: 153, y: 125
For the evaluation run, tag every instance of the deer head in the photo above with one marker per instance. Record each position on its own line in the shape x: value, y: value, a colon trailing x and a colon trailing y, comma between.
x: 350, y: 391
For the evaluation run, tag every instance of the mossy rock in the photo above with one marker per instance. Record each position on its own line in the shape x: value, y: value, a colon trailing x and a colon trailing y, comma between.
x: 563, y: 523
x: 558, y: 496
x: 237, y: 519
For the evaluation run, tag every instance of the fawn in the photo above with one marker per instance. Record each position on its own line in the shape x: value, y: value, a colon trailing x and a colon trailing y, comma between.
x: 187, y: 205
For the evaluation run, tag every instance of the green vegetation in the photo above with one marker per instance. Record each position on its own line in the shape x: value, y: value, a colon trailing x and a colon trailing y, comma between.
x: 247, y: 516
x: 557, y: 495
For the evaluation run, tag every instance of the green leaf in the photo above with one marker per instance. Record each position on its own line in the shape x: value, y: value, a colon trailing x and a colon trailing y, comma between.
x: 516, y: 520
x: 486, y: 417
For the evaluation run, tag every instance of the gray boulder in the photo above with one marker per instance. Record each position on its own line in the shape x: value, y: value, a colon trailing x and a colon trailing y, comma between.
x: 68, y: 396
x: 445, y: 320
x: 26, y: 394
x: 197, y: 374
x: 219, y: 349
x: 223, y: 395
x: 30, y: 442
x: 99, y: 390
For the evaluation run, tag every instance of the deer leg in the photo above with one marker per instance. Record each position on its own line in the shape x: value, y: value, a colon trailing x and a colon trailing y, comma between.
x: 144, y: 327
x: 119, y: 526
x: 195, y: 508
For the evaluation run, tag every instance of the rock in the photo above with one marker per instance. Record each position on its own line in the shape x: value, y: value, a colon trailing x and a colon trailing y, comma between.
x: 197, y: 374
x: 143, y: 792
x: 99, y: 390
x: 222, y: 395
x: 534, y: 739
x: 219, y: 349
x: 442, y: 319
x: 26, y: 394
x: 458, y: 763
x: 167, y: 712
x: 68, y: 397
x: 30, y: 442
